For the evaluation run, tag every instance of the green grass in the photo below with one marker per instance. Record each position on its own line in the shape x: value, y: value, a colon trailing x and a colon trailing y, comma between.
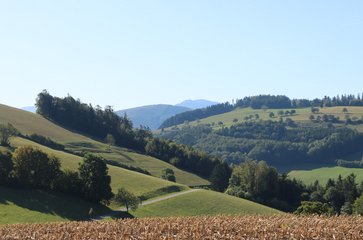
x: 323, y: 174
x: 139, y: 184
x: 33, y: 206
x: 302, y: 115
x: 28, y: 123
x: 202, y: 202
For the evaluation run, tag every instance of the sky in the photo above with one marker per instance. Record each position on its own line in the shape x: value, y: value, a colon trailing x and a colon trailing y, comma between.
x: 132, y: 53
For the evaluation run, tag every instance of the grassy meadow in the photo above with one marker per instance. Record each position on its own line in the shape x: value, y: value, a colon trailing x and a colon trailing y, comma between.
x: 323, y: 174
x: 202, y: 202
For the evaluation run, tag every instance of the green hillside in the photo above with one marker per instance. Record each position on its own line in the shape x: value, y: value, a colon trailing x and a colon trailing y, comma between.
x: 34, y: 206
x: 202, y: 202
x: 139, y: 184
x: 28, y: 123
x: 323, y: 174
x: 302, y: 115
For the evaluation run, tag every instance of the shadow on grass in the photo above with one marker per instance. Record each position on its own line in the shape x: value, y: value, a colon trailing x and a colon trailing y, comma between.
x: 56, y: 204
x: 121, y: 215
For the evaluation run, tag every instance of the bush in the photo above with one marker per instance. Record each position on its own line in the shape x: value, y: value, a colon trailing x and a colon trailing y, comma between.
x: 127, y: 198
x: 358, y: 205
x: 314, y: 208
x: 168, y: 174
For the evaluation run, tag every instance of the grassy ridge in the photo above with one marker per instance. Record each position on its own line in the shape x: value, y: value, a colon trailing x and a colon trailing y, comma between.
x: 202, y: 202
x: 323, y: 174
x: 28, y: 123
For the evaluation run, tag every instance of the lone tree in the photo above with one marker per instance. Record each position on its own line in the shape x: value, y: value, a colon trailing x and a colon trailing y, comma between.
x: 110, y: 140
x: 345, y: 110
x: 6, y: 132
x: 271, y: 115
x: 168, y: 174
x: 128, y: 199
x: 220, y: 177
x: 93, y: 173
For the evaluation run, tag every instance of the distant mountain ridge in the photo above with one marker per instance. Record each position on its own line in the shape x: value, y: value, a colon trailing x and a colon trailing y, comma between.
x: 151, y: 115
x: 195, y: 104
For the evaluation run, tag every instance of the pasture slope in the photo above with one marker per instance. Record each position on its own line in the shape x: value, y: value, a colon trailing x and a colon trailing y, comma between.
x: 29, y: 123
x: 323, y: 174
x: 202, y: 202
x: 302, y: 115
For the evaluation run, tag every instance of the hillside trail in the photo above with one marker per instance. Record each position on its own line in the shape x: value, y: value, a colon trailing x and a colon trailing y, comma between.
x: 115, y: 212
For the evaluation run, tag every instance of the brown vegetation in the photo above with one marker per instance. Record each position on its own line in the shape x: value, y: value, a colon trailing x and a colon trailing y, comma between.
x: 248, y: 227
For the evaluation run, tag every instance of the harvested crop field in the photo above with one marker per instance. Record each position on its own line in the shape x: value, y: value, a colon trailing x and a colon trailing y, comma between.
x: 247, y: 227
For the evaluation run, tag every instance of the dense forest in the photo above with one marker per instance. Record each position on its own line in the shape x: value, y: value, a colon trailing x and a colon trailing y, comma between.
x: 263, y: 102
x: 103, y: 123
x: 274, y: 142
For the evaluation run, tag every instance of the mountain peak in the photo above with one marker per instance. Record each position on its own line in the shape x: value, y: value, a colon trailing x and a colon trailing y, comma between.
x: 195, y: 104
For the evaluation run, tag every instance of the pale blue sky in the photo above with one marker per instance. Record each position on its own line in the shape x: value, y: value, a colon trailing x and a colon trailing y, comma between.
x: 131, y: 53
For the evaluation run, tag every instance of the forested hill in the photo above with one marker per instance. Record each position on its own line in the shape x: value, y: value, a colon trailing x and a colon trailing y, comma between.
x: 263, y: 102
x: 106, y: 125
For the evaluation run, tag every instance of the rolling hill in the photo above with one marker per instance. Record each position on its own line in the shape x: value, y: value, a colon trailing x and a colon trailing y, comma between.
x: 202, y: 202
x: 302, y: 115
x: 152, y: 115
x: 43, y: 207
x: 231, y: 146
x: 28, y: 123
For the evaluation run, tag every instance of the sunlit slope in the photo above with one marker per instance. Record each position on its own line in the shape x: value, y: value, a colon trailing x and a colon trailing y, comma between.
x: 323, y: 174
x: 28, y: 123
x: 302, y: 115
x: 202, y: 202
x: 135, y: 182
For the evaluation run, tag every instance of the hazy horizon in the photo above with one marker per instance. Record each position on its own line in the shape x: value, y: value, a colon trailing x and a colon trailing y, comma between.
x: 130, y: 54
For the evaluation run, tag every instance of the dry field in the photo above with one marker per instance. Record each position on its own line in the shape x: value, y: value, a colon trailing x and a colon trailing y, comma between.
x: 248, y: 227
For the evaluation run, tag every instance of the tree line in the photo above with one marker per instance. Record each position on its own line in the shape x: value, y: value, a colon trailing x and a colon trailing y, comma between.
x: 263, y: 102
x: 31, y: 168
x: 275, y: 142
x: 96, y: 122
x: 259, y: 182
